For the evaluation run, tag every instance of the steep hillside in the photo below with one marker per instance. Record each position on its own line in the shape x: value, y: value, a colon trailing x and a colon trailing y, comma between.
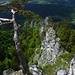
x: 49, y: 45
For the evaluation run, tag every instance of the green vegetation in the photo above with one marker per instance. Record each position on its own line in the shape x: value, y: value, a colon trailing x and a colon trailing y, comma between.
x: 18, y: 3
x: 59, y: 64
x: 67, y: 35
x: 53, y: 1
x: 31, y: 40
x: 8, y: 56
x: 29, y: 15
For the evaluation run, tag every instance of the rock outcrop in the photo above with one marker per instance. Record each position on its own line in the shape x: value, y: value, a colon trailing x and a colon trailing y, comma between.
x: 42, y: 27
x: 72, y: 67
x: 35, y: 70
x: 62, y: 72
x: 31, y: 24
x: 50, y: 49
x: 6, y: 72
x: 12, y: 72
x: 46, y: 21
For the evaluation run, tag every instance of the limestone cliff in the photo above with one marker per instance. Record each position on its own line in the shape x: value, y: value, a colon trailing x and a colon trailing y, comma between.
x: 72, y: 67
x: 50, y: 49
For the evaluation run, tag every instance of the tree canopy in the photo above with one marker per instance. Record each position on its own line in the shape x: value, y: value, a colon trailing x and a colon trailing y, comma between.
x: 18, y: 3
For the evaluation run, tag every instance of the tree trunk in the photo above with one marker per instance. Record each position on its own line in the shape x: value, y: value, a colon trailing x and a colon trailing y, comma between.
x: 18, y: 48
x: 17, y: 42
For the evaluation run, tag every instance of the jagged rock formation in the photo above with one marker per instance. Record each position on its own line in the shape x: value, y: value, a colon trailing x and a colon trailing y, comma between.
x: 8, y: 71
x: 35, y: 70
x: 72, y: 67
x: 62, y: 72
x: 34, y: 23
x: 42, y: 27
x: 50, y: 49
x: 31, y: 24
x: 46, y: 21
x: 12, y: 72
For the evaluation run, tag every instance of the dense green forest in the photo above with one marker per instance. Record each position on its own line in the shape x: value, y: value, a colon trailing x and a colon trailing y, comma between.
x: 30, y: 40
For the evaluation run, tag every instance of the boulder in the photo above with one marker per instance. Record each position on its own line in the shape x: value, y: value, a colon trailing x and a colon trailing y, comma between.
x: 35, y: 70
x: 8, y: 71
x: 72, y: 67
x: 46, y: 21
x: 62, y: 72
x: 12, y: 72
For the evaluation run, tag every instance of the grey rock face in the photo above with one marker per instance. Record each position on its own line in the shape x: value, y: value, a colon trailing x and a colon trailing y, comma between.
x: 31, y: 24
x: 35, y: 70
x: 42, y: 27
x: 62, y: 72
x: 72, y: 67
x: 8, y: 71
x: 5, y: 72
x: 34, y: 23
x: 46, y: 21
x: 11, y: 72
x: 17, y: 73
x: 50, y: 48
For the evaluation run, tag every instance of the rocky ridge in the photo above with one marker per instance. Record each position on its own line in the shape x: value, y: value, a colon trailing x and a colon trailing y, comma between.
x: 72, y: 67
x: 50, y: 46
x: 50, y: 49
